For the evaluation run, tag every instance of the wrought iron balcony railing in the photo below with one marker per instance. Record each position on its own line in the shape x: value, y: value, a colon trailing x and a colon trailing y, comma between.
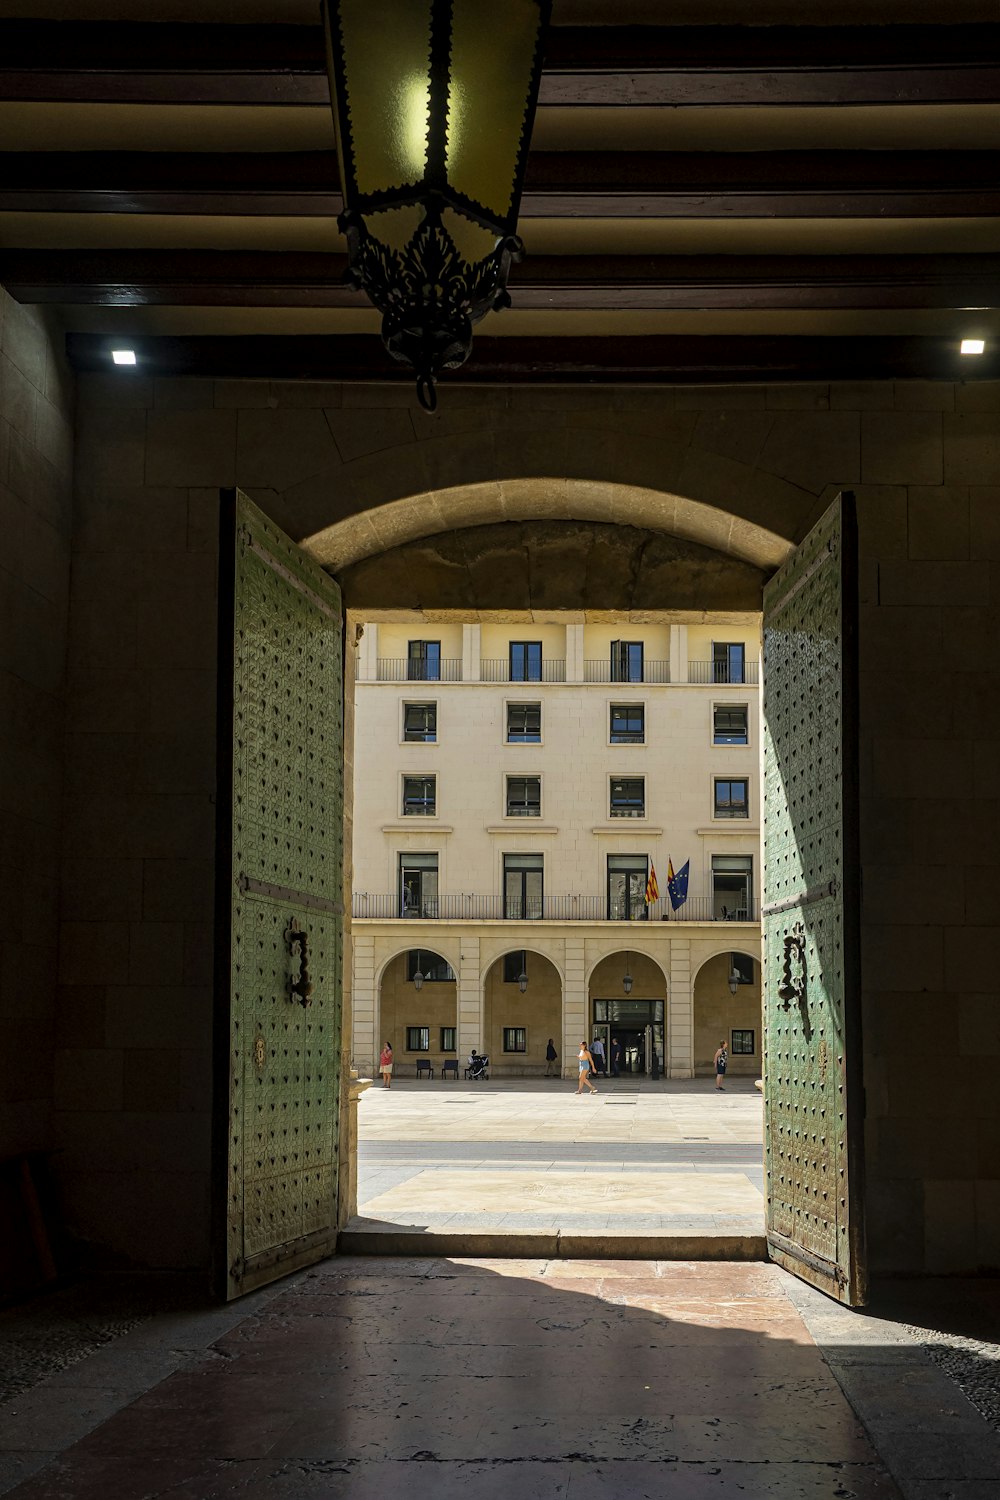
x: 498, y: 670
x: 609, y: 671
x: 402, y: 669
x: 723, y: 672
x: 472, y: 908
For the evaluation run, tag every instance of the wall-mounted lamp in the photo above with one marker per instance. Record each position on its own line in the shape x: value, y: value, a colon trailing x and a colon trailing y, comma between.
x: 972, y: 346
x: 123, y: 356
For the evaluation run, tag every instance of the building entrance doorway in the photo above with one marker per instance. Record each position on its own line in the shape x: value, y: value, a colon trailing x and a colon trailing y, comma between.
x: 637, y: 1027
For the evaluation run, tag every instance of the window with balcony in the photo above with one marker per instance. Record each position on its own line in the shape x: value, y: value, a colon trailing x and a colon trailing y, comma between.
x: 525, y: 661
x: 728, y: 661
x: 423, y: 661
x: 515, y: 1039
x: 418, y: 885
x: 522, y: 887
x: 433, y: 968
x: 420, y: 723
x: 418, y: 1038
x: 627, y: 876
x: 524, y: 723
x: 730, y: 724
x: 515, y: 964
x: 524, y: 796
x: 731, y: 798
x: 732, y: 887
x: 419, y: 796
x: 626, y: 661
x: 628, y: 796
x: 628, y: 724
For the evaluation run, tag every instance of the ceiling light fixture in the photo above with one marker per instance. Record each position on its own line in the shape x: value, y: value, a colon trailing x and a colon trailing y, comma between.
x: 433, y: 104
x: 123, y: 356
x: 972, y: 346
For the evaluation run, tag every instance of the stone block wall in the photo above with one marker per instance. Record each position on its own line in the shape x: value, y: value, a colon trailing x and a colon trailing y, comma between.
x: 36, y: 466
x: 133, y: 1070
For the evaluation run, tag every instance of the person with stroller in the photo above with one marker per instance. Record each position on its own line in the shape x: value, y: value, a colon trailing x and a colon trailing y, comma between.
x: 478, y: 1063
x: 585, y: 1058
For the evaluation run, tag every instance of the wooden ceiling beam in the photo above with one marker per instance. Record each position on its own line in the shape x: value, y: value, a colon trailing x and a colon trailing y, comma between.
x: 570, y: 184
x: 719, y: 359
x: 199, y: 278
x: 161, y: 63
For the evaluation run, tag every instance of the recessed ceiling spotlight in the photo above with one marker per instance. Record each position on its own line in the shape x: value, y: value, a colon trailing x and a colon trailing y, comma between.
x: 123, y: 356
x: 973, y: 346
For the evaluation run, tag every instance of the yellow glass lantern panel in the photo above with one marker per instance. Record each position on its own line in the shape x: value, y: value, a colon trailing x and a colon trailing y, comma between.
x: 492, y: 63
x: 387, y: 72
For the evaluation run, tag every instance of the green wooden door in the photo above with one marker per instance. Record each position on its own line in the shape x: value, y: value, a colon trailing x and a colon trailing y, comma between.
x: 279, y: 924
x: 813, y: 1098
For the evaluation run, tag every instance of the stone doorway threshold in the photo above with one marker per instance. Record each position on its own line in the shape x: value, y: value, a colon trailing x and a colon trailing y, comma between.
x: 524, y: 1167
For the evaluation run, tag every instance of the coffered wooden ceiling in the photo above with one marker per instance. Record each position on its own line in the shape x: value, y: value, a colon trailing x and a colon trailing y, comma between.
x: 810, y: 196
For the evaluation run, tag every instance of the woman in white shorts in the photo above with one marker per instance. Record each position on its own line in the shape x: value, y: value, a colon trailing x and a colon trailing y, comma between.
x: 385, y: 1066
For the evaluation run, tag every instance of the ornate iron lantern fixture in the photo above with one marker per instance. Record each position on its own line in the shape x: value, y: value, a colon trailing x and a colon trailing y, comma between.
x: 434, y: 102
x: 522, y: 981
x: 627, y: 978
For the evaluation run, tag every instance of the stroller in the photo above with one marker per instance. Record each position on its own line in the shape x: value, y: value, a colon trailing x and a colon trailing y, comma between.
x: 478, y: 1067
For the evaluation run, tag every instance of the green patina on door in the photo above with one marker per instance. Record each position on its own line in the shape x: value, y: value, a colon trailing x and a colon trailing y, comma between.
x: 279, y: 928
x: 812, y: 1043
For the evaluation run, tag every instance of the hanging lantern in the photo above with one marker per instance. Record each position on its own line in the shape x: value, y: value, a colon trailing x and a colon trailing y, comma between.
x: 434, y: 102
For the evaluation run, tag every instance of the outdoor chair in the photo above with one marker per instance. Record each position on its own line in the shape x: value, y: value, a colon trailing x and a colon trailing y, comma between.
x: 450, y: 1067
x: 424, y: 1066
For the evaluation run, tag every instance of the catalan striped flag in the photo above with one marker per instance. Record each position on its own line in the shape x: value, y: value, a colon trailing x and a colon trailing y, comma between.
x: 652, y: 889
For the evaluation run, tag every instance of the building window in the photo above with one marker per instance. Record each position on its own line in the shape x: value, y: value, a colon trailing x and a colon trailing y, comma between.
x: 730, y: 725
x: 522, y: 887
x: 418, y: 1038
x: 524, y: 723
x: 525, y: 661
x: 448, y: 1039
x: 732, y: 886
x: 419, y: 796
x: 420, y: 723
x: 731, y: 800
x: 626, y: 661
x: 628, y: 796
x: 515, y: 1039
x: 423, y: 661
x: 741, y: 964
x: 515, y: 964
x: 434, y: 968
x: 418, y: 885
x: 742, y: 1044
x: 728, y: 661
x: 628, y: 723
x: 627, y: 876
x: 524, y: 796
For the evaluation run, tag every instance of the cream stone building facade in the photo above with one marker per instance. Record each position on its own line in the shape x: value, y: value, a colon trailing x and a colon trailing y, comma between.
x: 516, y: 782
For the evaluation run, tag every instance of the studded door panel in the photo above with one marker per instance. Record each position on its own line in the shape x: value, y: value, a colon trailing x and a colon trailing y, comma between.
x: 279, y: 898
x: 812, y: 1093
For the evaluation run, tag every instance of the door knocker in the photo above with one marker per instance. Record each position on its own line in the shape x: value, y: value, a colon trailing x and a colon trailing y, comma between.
x: 259, y: 1053
x: 793, y: 974
x: 299, y: 987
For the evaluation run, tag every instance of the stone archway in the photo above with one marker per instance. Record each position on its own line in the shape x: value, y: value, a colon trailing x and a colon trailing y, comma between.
x: 432, y: 1010
x: 514, y: 1020
x: 720, y: 1015
x: 623, y: 1015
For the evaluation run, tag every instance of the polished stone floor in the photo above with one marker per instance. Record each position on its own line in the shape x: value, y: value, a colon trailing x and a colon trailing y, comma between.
x: 530, y: 1156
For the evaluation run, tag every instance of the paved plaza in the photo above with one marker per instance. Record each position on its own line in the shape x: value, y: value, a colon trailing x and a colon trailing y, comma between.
x: 530, y: 1157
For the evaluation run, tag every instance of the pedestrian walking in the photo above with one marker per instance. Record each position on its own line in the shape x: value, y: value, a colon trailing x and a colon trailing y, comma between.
x: 385, y: 1065
x: 550, y: 1057
x: 597, y: 1048
x: 585, y: 1059
x: 616, y: 1056
x: 721, y: 1061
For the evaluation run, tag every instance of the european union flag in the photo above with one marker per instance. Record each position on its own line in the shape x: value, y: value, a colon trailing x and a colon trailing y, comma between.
x: 677, y: 885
